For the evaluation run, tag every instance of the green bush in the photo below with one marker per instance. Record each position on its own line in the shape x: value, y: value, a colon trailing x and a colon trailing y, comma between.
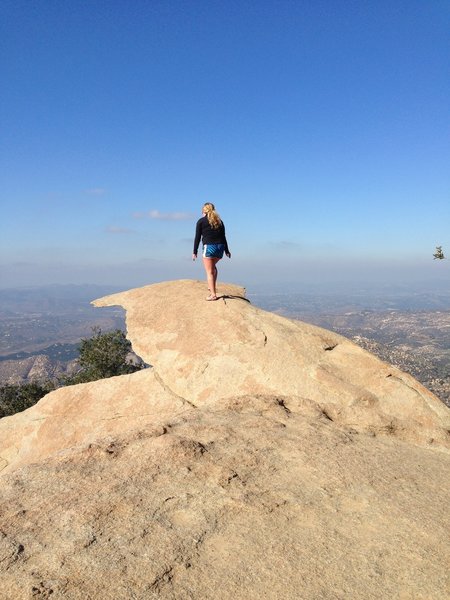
x: 104, y: 355
x: 17, y: 397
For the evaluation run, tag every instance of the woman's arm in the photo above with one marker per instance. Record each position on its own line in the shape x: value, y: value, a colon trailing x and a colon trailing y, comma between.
x: 227, y: 251
x: 198, y: 235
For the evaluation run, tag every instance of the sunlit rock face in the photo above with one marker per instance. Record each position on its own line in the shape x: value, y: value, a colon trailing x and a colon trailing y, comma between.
x: 259, y: 457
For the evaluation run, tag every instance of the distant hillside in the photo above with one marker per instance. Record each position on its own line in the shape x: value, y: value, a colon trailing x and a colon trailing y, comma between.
x: 38, y: 368
x: 432, y: 375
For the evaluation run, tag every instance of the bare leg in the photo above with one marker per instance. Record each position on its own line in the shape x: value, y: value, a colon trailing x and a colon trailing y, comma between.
x: 211, y: 273
x: 215, y: 277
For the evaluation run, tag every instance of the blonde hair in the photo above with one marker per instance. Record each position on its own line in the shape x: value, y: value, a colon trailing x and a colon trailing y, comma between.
x: 213, y: 217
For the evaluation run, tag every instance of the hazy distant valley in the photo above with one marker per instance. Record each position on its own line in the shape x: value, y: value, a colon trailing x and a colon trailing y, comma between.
x: 40, y: 328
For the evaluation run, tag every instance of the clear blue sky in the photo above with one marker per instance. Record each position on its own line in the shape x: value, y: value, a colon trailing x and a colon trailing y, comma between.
x: 318, y: 128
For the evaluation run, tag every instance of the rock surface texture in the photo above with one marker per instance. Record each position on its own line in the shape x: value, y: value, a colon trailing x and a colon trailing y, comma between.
x: 259, y: 458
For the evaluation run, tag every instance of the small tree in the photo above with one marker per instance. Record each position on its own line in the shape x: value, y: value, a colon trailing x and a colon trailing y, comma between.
x: 104, y: 355
x: 439, y: 254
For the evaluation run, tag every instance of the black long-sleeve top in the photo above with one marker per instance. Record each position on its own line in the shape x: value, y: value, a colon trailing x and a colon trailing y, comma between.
x: 208, y: 235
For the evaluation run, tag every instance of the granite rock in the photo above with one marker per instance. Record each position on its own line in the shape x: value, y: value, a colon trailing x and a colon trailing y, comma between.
x: 258, y: 458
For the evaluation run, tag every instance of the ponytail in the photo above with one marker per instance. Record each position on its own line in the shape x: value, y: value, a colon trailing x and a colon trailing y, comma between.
x: 213, y: 217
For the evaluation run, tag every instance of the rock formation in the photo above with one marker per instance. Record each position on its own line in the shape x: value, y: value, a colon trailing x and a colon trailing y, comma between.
x: 259, y: 458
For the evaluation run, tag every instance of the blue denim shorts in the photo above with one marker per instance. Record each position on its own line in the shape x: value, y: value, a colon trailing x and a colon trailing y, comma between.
x: 213, y: 250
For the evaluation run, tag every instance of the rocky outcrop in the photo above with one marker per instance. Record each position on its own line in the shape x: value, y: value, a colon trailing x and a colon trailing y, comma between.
x: 258, y: 458
x: 233, y: 348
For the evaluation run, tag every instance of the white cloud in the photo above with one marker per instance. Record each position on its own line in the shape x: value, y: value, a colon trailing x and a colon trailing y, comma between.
x: 96, y: 191
x: 286, y: 244
x: 163, y: 216
x: 118, y: 230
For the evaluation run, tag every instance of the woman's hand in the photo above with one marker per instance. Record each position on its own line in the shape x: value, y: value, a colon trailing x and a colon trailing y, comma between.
x: 228, y: 254
x: 194, y: 256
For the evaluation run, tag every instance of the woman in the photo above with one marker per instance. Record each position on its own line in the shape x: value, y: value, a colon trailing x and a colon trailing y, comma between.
x: 211, y: 230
